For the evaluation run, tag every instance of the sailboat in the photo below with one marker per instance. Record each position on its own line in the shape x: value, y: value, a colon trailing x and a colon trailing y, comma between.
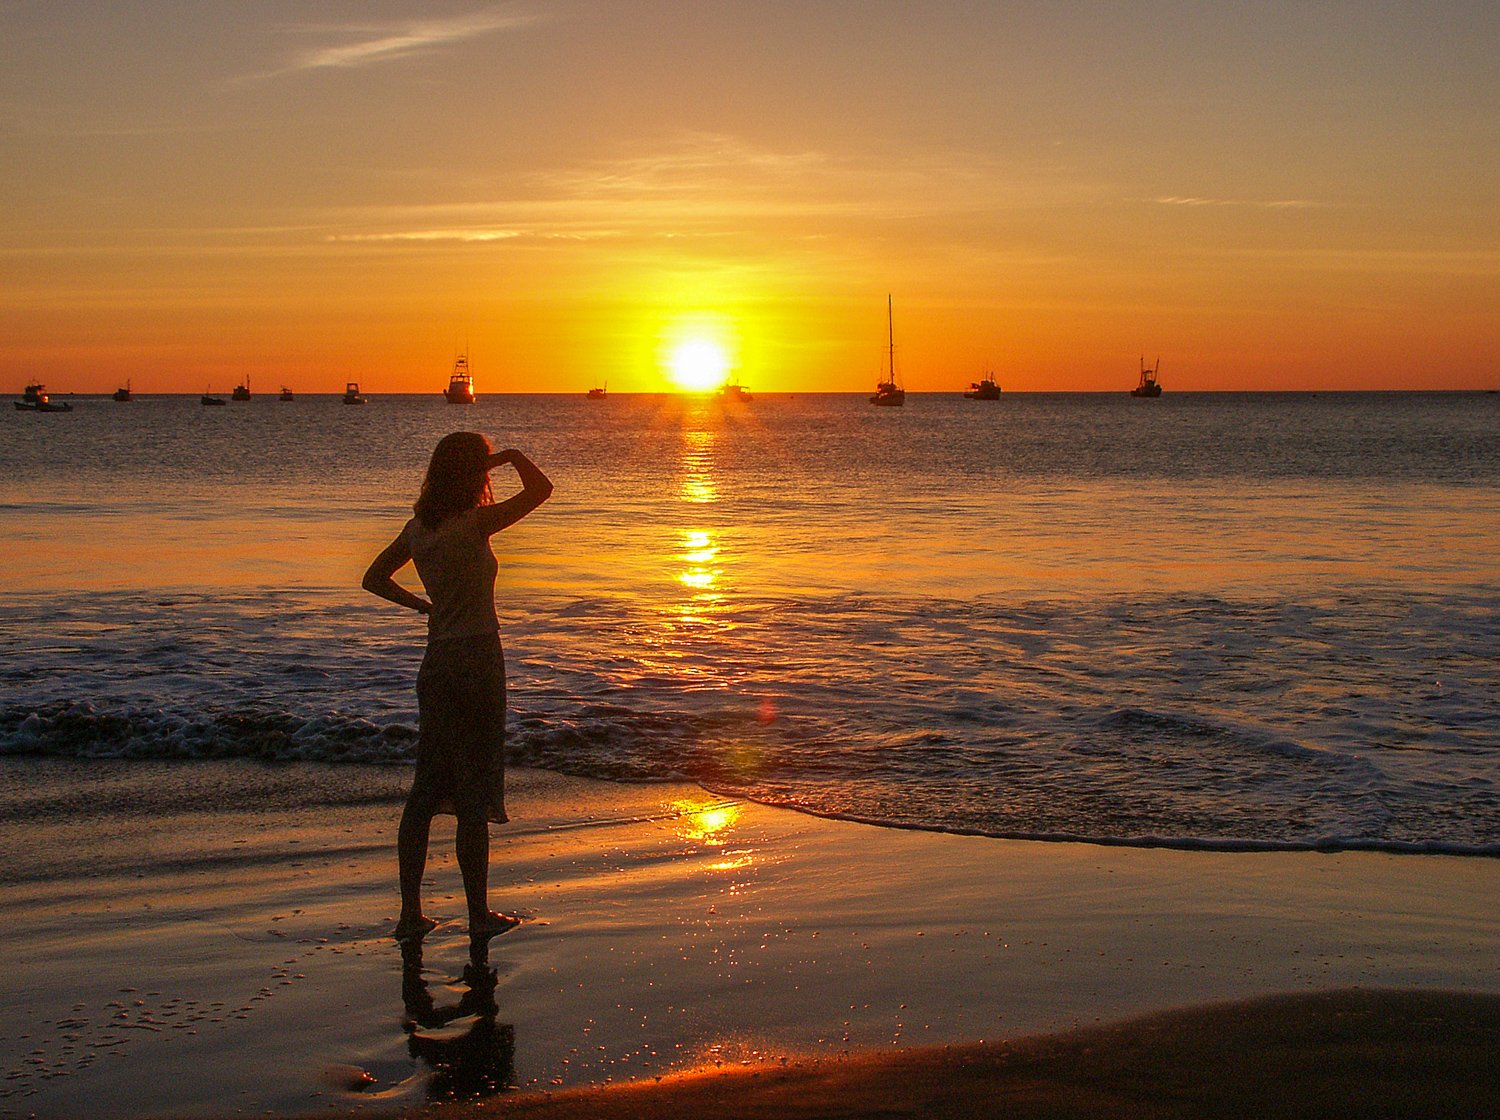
x: 461, y: 384
x: 887, y: 392
x: 1149, y: 386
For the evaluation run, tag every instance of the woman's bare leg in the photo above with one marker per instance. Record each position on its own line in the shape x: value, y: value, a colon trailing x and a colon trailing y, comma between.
x: 473, y: 844
x: 411, y: 858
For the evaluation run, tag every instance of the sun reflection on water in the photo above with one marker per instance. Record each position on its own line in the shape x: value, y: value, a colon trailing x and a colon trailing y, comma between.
x: 698, y: 551
x: 697, y: 466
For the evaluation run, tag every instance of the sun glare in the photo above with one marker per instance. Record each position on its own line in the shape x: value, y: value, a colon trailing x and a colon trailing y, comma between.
x: 697, y: 364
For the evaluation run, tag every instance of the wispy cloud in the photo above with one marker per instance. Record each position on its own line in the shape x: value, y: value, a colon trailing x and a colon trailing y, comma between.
x: 703, y: 186
x: 367, y: 45
x: 1257, y: 203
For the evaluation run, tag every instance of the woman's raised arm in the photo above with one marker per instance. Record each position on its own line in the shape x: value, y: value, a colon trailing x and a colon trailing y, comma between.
x: 536, y: 488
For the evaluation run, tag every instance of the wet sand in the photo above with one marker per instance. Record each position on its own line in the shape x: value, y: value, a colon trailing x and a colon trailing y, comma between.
x: 201, y: 939
x: 1328, y: 1054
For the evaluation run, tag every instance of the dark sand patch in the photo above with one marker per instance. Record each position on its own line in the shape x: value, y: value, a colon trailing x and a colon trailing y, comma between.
x: 1324, y: 1054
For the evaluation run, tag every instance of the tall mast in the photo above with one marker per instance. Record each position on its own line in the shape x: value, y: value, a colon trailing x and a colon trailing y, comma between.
x: 890, y: 328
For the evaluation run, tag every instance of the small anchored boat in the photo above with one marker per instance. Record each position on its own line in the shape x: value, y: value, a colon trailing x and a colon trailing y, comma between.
x: 208, y: 400
x: 597, y: 393
x: 732, y: 390
x: 241, y: 391
x: 124, y: 394
x: 888, y: 394
x: 35, y: 399
x: 352, y: 393
x: 985, y: 389
x: 286, y: 394
x: 460, y: 383
x: 1149, y: 386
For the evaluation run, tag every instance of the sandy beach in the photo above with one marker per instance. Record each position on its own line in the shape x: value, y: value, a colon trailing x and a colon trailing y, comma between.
x: 212, y: 938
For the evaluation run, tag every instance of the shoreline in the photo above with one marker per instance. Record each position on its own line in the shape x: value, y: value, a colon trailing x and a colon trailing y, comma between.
x: 1328, y: 846
x: 196, y: 939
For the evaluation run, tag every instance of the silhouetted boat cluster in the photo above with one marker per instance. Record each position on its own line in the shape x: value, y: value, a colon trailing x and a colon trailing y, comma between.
x: 888, y: 390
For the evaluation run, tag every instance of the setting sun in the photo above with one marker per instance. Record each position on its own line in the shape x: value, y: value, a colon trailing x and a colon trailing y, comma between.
x: 697, y: 364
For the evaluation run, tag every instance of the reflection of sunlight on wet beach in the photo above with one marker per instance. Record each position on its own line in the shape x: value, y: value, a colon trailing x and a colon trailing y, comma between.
x: 706, y: 822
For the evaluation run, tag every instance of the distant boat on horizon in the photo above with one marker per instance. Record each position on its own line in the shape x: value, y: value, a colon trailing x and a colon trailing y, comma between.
x: 124, y: 394
x: 352, y: 393
x: 460, y: 383
x: 985, y: 389
x: 35, y: 399
x: 597, y: 393
x: 732, y: 390
x: 1149, y: 386
x: 208, y: 400
x: 241, y: 391
x: 887, y: 393
x: 286, y: 394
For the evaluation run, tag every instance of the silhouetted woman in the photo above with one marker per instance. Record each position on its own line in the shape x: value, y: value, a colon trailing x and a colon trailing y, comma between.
x: 461, y: 685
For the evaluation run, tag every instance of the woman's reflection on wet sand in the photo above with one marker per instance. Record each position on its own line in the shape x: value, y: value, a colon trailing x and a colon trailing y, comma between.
x: 471, y: 1055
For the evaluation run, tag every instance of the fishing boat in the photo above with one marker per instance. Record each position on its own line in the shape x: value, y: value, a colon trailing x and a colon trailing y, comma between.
x: 241, y: 392
x: 887, y: 393
x: 732, y: 390
x: 352, y: 394
x: 286, y: 394
x: 1149, y: 386
x: 35, y: 399
x: 985, y: 389
x: 597, y: 393
x: 124, y: 394
x: 208, y: 400
x: 460, y: 383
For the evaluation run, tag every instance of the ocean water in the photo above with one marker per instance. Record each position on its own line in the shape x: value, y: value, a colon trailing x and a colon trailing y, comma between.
x: 1228, y: 620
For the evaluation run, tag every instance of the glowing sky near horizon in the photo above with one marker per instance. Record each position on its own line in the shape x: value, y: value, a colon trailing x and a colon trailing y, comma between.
x: 1267, y: 195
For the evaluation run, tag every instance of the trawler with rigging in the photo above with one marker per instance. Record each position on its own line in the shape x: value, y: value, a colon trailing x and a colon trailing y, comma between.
x: 1149, y: 386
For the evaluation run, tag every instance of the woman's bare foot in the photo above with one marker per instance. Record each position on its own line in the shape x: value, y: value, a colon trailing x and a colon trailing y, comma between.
x: 413, y: 929
x: 492, y: 925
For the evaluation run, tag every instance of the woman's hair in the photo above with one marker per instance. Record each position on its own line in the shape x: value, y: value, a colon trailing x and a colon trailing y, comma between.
x: 457, y: 478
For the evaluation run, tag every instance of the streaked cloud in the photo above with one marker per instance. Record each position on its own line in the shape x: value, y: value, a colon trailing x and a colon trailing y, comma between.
x: 365, y: 45
x: 1257, y: 203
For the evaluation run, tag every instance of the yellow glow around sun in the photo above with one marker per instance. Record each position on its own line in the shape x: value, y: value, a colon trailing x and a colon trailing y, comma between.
x: 697, y: 364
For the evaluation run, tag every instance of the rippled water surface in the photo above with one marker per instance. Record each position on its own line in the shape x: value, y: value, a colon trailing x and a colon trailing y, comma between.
x: 1216, y: 618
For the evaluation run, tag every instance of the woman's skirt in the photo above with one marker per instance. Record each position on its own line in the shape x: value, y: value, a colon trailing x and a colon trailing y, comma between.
x: 461, y: 746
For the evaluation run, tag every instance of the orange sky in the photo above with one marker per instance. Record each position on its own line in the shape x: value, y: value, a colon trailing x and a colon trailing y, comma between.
x: 1271, y: 197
